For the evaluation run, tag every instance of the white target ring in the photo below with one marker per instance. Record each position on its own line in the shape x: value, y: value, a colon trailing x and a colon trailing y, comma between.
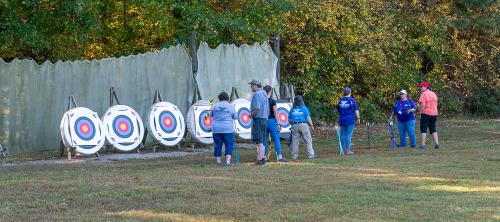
x: 243, y: 122
x: 199, y: 123
x: 166, y: 123
x: 81, y: 129
x: 123, y: 127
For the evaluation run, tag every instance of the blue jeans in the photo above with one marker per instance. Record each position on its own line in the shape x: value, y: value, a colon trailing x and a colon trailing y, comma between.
x: 407, y: 127
x: 273, y: 129
x: 345, y: 136
x: 219, y: 139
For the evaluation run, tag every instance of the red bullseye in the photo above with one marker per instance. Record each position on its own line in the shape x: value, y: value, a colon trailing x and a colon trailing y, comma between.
x: 245, y: 118
x: 167, y: 121
x: 208, y: 121
x: 123, y: 126
x: 85, y: 128
x: 283, y: 117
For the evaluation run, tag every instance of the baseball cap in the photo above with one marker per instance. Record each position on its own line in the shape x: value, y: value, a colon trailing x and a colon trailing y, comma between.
x: 347, y: 89
x: 298, y: 98
x: 424, y: 84
x: 403, y: 92
x: 254, y: 82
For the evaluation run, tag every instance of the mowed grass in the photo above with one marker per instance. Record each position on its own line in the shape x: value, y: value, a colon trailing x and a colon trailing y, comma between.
x: 460, y: 182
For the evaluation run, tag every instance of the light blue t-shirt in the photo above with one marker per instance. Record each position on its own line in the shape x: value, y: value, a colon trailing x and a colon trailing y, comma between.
x: 223, y: 116
x: 261, y: 102
x: 299, y: 114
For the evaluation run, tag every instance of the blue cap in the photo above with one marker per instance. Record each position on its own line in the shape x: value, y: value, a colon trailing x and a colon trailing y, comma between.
x: 347, y: 89
x: 299, y: 98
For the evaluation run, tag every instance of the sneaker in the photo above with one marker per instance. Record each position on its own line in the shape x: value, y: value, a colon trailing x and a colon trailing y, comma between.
x: 283, y: 160
x: 402, y: 147
x: 436, y: 146
x: 422, y: 147
x: 310, y: 157
x: 228, y: 165
x: 261, y: 163
x: 294, y: 157
x: 350, y: 153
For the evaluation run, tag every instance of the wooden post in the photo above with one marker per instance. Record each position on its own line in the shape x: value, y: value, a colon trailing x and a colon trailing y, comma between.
x: 193, y: 52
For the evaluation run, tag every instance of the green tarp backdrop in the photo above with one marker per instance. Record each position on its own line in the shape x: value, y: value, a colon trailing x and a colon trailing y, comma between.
x: 34, y: 97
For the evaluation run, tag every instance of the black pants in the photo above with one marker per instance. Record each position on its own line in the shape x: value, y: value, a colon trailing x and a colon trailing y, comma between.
x: 427, y: 121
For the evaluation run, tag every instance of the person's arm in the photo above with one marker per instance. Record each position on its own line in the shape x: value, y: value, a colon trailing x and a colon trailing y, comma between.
x: 358, y: 119
x: 421, y: 104
x: 310, y: 122
x: 254, y: 106
x: 412, y: 107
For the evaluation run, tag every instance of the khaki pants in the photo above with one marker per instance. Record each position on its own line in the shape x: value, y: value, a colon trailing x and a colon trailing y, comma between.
x: 301, y: 130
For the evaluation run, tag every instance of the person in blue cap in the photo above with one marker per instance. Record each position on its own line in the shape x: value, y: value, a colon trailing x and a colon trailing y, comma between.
x: 348, y: 115
x: 300, y: 119
x: 405, y: 109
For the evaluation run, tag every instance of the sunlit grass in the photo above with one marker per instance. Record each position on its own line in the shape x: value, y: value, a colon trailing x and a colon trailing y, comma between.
x: 175, y: 217
x: 461, y: 189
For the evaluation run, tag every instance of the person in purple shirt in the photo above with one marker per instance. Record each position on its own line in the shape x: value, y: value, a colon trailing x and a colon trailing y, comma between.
x: 223, y: 115
x: 348, y: 115
x: 405, y: 108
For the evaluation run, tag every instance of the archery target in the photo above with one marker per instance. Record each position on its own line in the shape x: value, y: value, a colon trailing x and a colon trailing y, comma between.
x: 123, y: 127
x: 283, y: 109
x: 166, y: 123
x: 243, y: 123
x: 199, y: 123
x: 81, y: 129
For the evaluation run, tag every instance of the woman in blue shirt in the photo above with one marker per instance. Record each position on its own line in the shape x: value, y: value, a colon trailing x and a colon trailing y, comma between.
x: 223, y: 116
x: 300, y: 119
x: 348, y: 115
x: 405, y: 108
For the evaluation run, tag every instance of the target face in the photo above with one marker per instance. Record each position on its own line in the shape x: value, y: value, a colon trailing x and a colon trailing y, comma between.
x: 123, y: 127
x: 242, y: 125
x: 81, y: 129
x: 84, y: 128
x: 166, y: 123
x: 283, y: 109
x: 205, y: 121
x: 197, y: 123
x: 244, y: 118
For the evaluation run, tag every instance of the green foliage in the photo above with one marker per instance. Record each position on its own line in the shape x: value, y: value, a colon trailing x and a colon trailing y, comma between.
x: 376, y: 47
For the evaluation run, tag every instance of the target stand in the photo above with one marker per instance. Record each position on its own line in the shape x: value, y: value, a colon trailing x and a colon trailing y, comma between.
x: 81, y: 131
x: 122, y: 126
x: 165, y: 123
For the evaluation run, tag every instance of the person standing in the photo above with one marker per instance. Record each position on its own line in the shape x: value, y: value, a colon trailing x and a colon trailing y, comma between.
x: 405, y: 108
x: 259, y: 108
x: 223, y: 116
x: 273, y: 127
x: 300, y: 119
x: 348, y: 115
x: 428, y: 109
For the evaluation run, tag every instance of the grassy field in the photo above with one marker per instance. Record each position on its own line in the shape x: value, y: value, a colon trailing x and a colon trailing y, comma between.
x: 460, y: 182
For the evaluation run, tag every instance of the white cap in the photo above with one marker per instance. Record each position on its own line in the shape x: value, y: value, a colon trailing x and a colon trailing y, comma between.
x: 403, y: 92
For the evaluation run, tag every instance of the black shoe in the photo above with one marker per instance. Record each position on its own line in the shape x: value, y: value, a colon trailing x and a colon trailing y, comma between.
x: 283, y: 160
x: 436, y: 146
x: 261, y: 163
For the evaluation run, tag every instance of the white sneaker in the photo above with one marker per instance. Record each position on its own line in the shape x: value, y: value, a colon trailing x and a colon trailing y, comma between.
x: 350, y: 153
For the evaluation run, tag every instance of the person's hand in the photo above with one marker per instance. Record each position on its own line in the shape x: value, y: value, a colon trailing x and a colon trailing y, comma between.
x: 279, y: 127
x: 358, y: 121
x: 408, y: 111
x: 312, y: 127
